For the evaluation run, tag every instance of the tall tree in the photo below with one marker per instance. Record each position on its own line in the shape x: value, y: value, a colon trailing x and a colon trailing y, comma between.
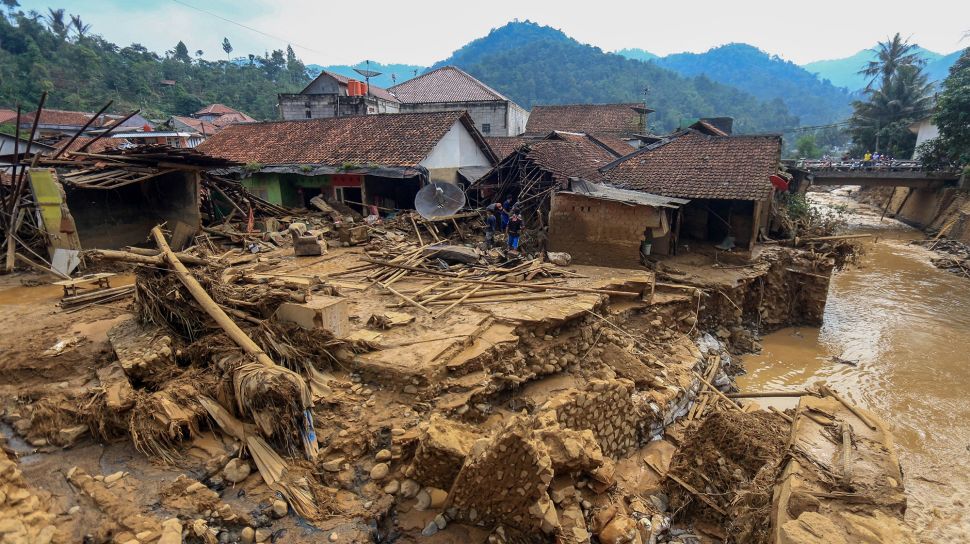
x: 890, y: 56
x: 952, y: 118
x: 227, y: 47
x: 56, y: 22
x: 80, y: 28
x: 881, y: 121
x: 181, y: 53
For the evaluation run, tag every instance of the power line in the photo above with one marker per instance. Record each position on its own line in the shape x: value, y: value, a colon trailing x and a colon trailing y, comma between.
x: 256, y: 30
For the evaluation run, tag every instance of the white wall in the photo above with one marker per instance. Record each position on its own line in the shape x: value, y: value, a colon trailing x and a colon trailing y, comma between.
x: 456, y: 149
x: 925, y: 130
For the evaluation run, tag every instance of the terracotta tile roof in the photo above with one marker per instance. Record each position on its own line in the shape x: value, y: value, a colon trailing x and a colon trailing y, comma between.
x: 446, y: 84
x: 224, y: 112
x: 618, y: 146
x: 570, y: 157
x: 198, y: 125
x: 693, y: 165
x: 399, y: 139
x: 503, y: 146
x: 610, y: 119
x: 8, y: 116
x: 63, y: 118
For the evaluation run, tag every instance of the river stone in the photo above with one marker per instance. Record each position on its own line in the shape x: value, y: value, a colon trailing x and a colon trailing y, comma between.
x: 379, y: 472
x: 383, y: 456
x: 279, y: 508
x: 392, y: 487
x: 410, y: 488
x: 236, y: 470
x: 247, y: 536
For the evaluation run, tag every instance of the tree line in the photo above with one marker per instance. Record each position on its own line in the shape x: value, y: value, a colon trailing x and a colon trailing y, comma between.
x: 58, y: 53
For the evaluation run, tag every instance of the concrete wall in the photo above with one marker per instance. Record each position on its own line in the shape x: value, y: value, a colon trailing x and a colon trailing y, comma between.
x: 455, y: 150
x: 111, y: 219
x: 517, y: 119
x: 493, y: 113
x: 925, y: 131
x: 296, y: 106
x: 599, y: 232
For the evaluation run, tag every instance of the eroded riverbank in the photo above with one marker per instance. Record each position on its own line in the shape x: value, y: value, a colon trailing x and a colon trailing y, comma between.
x: 894, y: 340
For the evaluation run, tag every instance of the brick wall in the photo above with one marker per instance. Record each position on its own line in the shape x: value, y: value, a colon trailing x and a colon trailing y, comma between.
x: 599, y: 232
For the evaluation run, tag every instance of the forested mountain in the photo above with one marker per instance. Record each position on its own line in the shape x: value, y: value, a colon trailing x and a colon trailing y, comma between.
x: 845, y: 72
x: 391, y: 74
x: 82, y: 71
x: 535, y: 64
x: 767, y: 77
x: 636, y: 53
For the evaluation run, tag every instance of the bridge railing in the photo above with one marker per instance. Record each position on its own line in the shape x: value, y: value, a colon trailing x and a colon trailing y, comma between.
x: 860, y: 166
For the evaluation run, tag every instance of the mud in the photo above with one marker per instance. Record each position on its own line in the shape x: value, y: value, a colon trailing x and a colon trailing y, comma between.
x: 893, y: 339
x: 527, y: 421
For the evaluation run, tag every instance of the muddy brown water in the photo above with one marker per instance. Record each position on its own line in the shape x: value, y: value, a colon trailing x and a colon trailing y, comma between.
x: 904, y: 326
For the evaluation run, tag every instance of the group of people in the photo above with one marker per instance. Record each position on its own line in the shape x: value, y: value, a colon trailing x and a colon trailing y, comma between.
x: 504, y: 217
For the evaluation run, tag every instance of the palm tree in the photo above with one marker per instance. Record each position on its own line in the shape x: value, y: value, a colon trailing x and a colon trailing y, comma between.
x: 80, y: 29
x: 55, y: 21
x: 881, y: 122
x: 890, y: 55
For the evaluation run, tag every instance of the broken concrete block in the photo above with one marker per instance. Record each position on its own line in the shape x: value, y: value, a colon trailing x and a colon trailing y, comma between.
x: 118, y: 393
x: 320, y: 312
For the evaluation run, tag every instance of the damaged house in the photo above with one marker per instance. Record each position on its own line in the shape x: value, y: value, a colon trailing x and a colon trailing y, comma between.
x: 114, y: 200
x: 374, y: 159
x: 624, y: 125
x: 726, y: 178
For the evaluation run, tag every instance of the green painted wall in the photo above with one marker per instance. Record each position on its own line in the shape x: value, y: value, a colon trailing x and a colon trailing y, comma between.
x: 281, y: 189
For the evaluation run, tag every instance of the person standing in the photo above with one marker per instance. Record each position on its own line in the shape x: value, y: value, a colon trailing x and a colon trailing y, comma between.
x: 491, y: 223
x: 514, y: 229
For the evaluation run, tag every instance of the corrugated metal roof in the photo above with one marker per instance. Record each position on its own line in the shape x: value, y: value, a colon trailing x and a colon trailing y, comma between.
x: 606, y: 192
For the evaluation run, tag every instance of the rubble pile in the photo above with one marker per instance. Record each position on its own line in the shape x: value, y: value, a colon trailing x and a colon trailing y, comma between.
x: 395, y: 388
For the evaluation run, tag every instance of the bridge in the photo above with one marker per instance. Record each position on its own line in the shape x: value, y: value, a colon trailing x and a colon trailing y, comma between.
x: 871, y: 174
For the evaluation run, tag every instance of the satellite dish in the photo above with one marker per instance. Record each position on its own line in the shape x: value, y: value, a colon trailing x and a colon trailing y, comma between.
x: 439, y: 200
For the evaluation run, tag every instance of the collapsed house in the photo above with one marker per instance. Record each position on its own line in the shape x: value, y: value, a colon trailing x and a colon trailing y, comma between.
x: 113, y: 199
x: 380, y: 160
x: 727, y: 179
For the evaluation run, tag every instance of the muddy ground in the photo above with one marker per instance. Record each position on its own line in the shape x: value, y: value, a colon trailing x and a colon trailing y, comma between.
x: 522, y: 421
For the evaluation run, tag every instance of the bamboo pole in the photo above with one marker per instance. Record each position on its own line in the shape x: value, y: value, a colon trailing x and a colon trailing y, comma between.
x: 208, y: 305
x: 139, y: 258
x: 767, y: 394
x: 716, y: 391
x: 404, y: 297
x: 852, y: 408
x: 80, y: 132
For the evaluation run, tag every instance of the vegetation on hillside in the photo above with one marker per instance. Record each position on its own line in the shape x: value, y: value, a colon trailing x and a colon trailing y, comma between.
x: 533, y: 64
x: 58, y: 53
x: 844, y: 72
x: 767, y: 77
x: 897, y: 94
x: 952, y: 118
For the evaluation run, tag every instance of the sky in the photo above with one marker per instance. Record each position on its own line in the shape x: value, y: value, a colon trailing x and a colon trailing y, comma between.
x: 423, y: 32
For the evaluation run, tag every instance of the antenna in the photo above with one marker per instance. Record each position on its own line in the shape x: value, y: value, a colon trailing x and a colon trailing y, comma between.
x: 367, y: 73
x: 439, y: 199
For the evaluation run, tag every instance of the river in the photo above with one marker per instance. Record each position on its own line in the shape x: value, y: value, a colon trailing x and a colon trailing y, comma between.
x: 905, y: 327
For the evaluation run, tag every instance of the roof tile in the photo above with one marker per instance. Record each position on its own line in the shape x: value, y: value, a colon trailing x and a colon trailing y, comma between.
x: 400, y: 139
x: 694, y: 165
x: 607, y: 119
x: 446, y: 84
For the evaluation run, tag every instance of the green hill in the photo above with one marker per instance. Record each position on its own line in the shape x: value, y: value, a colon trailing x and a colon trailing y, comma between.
x: 767, y: 77
x: 535, y: 64
x: 636, y: 53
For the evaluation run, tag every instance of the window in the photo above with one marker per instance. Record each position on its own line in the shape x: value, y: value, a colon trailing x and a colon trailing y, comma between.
x: 486, y: 128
